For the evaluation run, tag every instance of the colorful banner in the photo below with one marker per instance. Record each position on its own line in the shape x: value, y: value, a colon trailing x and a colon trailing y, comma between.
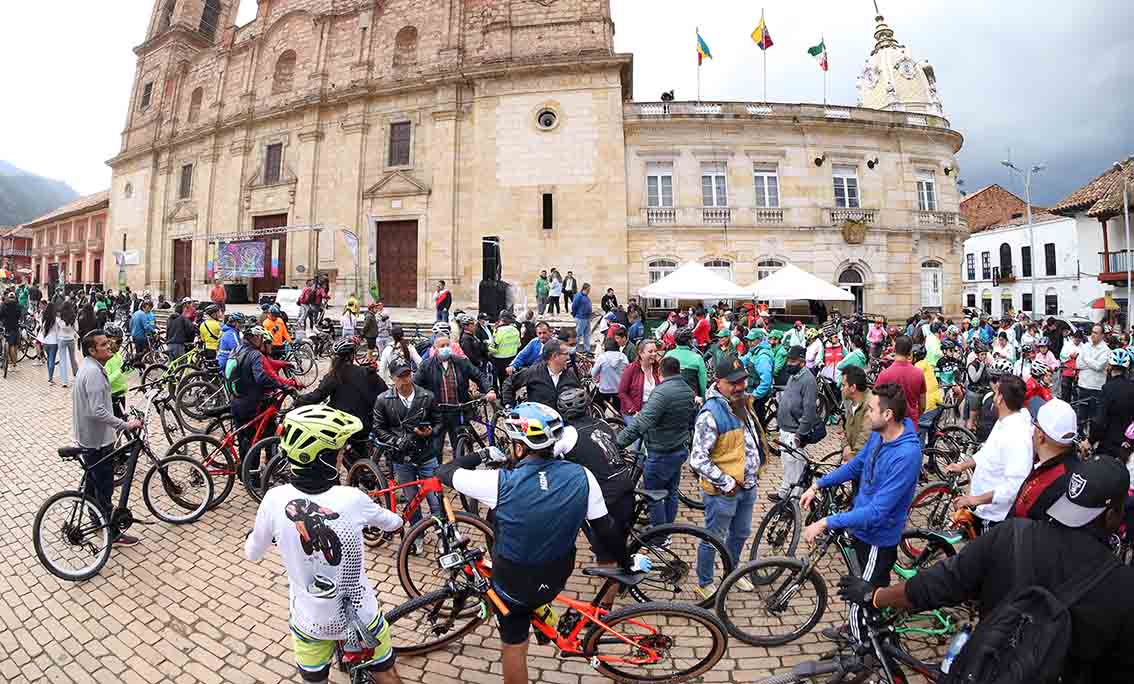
x: 210, y: 250
x: 275, y: 258
x: 244, y: 259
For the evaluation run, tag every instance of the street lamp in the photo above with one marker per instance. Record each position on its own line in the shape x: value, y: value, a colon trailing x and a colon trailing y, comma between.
x: 1126, y: 214
x: 1031, y: 228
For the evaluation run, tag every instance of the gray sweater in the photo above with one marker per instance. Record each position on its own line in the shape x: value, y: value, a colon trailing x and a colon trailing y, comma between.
x: 666, y: 420
x: 92, y: 413
x: 797, y: 404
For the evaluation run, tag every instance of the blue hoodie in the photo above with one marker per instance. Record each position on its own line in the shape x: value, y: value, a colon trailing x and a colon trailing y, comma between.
x: 229, y: 341
x: 759, y: 363
x: 887, y: 474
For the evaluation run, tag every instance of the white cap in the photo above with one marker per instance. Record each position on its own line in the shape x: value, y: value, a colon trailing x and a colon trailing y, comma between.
x: 1057, y: 420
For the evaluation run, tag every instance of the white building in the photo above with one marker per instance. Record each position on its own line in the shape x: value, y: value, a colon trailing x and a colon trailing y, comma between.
x: 998, y: 266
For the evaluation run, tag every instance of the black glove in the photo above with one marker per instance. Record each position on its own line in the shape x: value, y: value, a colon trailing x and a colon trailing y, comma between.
x: 856, y: 590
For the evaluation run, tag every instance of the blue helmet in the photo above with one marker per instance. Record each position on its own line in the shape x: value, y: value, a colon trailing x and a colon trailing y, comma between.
x: 536, y: 425
x: 1120, y: 358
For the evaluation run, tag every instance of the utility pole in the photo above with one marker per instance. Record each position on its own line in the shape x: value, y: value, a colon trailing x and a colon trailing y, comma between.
x: 1126, y: 214
x: 1031, y: 227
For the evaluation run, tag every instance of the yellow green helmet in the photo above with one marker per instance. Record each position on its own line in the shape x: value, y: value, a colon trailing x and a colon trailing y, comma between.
x: 308, y: 431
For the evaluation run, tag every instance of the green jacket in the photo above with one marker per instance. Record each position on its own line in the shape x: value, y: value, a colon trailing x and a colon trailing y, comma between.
x: 116, y: 375
x: 855, y: 358
x: 506, y: 342
x: 779, y: 359
x: 541, y: 288
x: 22, y: 296
x: 665, y: 421
x: 716, y: 352
x: 691, y: 360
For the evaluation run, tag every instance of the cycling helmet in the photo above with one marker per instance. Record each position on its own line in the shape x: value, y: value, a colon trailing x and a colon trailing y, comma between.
x: 999, y: 366
x: 266, y: 336
x: 948, y: 345
x: 980, y: 346
x: 1042, y: 342
x: 211, y: 309
x: 345, y: 347
x: 918, y: 353
x: 274, y: 310
x: 255, y: 331
x: 573, y: 402
x: 953, y: 330
x: 1040, y: 370
x: 113, y: 330
x: 234, y: 319
x: 308, y: 431
x: 535, y: 425
x: 1120, y: 358
x: 465, y: 319
x: 811, y: 333
x: 1026, y: 349
x: 441, y: 328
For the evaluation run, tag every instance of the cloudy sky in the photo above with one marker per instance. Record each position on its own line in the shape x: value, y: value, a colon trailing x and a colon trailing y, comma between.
x: 1039, y: 80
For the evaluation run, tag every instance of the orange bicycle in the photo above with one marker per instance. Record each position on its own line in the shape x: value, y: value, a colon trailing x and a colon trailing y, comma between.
x: 656, y: 641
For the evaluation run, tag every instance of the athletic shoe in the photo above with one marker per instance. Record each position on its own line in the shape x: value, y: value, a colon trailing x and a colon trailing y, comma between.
x: 126, y: 540
x: 744, y: 584
x: 707, y: 591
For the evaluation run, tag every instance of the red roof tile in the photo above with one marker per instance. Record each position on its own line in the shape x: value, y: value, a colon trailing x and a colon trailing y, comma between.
x: 1102, y: 197
x: 87, y: 203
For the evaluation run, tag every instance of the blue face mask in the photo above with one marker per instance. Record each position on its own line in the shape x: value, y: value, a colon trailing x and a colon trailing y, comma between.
x: 444, y: 353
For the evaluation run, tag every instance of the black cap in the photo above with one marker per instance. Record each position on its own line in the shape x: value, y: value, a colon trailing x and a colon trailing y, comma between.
x: 797, y: 352
x: 399, y: 367
x: 1094, y: 485
x: 729, y: 368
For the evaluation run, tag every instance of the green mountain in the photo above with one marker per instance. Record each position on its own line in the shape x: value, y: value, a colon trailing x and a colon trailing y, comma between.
x: 25, y: 196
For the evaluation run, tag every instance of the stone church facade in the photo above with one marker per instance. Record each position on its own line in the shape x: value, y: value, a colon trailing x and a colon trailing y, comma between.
x: 410, y: 131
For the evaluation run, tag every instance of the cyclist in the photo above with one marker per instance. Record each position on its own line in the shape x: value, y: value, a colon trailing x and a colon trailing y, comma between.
x: 115, y: 370
x: 692, y: 363
x: 919, y: 356
x: 1038, y: 386
x: 180, y: 332
x: 351, y: 389
x: 250, y: 381
x: 545, y: 380
x: 210, y: 330
x: 541, y: 502
x: 277, y: 326
x: 1052, y: 438
x: 142, y: 325
x: 1114, y: 409
x: 317, y: 526
x: 230, y: 338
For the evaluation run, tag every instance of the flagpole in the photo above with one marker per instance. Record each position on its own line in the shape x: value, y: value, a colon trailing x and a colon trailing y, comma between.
x: 823, y: 42
x: 765, y: 51
x: 698, y: 36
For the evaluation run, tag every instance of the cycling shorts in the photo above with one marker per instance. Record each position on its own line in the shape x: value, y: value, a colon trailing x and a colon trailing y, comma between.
x: 313, y: 656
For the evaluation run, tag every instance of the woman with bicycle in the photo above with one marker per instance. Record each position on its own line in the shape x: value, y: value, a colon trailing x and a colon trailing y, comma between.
x: 350, y: 388
x: 317, y: 526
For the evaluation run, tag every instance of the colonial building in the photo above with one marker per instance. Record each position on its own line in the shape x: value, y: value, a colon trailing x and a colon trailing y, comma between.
x: 992, y: 205
x: 15, y: 251
x: 409, y: 132
x: 67, y: 244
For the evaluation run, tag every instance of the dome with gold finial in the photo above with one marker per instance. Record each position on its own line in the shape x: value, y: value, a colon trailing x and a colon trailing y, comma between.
x: 892, y: 80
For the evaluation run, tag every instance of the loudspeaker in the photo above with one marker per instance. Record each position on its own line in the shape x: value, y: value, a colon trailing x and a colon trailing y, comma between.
x: 548, y: 216
x: 490, y: 258
x: 493, y: 297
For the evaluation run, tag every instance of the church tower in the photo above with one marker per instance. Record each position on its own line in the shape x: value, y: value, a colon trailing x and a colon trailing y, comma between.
x: 892, y: 80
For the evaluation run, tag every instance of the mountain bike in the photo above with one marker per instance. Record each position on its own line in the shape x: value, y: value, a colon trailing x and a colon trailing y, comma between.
x: 479, y: 429
x: 73, y: 534
x: 200, y: 396
x: 653, y: 641
x: 4, y: 351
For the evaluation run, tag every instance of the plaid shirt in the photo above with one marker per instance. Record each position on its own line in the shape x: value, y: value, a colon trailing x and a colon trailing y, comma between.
x: 447, y: 392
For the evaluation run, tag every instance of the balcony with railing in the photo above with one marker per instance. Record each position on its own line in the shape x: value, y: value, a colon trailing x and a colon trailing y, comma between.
x: 94, y: 245
x: 661, y: 216
x: 1112, y: 267
x: 1002, y: 275
x: 943, y: 219
x: 716, y: 215
x: 7, y: 250
x: 837, y: 215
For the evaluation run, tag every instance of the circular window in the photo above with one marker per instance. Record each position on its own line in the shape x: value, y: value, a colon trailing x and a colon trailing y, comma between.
x: 128, y: 191
x: 547, y: 119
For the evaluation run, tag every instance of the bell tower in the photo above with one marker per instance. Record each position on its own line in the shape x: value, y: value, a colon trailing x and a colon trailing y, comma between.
x: 206, y: 18
x: 892, y: 80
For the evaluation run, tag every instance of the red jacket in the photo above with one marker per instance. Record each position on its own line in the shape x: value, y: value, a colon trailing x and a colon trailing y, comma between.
x: 272, y: 368
x: 631, y: 387
x: 701, y: 332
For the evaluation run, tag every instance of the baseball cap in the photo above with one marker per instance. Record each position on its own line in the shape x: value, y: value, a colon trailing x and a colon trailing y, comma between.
x: 756, y: 334
x: 729, y: 368
x: 797, y: 352
x: 777, y: 334
x: 723, y: 332
x: 1057, y: 420
x: 1093, y: 485
x: 398, y: 368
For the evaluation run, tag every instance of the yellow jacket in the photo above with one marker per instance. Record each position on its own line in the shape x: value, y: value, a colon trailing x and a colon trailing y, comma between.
x: 211, y: 333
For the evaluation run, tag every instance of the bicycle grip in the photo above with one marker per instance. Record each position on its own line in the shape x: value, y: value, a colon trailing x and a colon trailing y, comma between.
x: 496, y: 601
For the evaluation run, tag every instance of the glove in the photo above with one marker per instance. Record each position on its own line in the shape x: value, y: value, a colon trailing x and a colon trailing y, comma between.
x: 856, y: 590
x: 639, y: 563
x: 493, y: 455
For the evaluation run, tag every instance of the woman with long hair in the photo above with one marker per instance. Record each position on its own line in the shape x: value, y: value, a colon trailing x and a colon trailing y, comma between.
x: 66, y: 339
x: 350, y: 388
x: 398, y: 348
x: 49, y: 337
x: 87, y: 321
x: 638, y: 380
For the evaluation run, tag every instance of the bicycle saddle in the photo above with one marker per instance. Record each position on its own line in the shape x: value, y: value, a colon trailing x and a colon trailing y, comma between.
x: 71, y: 453
x: 652, y: 495
x: 629, y: 579
x: 216, y: 411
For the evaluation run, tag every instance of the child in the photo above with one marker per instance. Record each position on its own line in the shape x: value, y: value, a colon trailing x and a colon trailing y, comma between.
x: 116, y: 372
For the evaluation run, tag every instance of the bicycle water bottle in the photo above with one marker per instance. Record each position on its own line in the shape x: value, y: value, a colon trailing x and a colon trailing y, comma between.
x: 955, y: 646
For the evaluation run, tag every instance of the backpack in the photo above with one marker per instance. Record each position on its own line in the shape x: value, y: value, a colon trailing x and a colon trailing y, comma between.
x: 305, y: 296
x: 1027, y: 637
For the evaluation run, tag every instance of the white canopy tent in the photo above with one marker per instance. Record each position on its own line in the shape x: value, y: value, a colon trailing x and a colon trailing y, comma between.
x: 694, y: 281
x: 793, y: 283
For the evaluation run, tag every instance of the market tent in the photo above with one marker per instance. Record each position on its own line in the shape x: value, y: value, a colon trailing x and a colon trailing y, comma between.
x: 792, y: 282
x: 694, y: 281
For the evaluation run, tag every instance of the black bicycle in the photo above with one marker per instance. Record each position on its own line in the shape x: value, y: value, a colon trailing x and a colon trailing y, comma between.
x: 73, y: 534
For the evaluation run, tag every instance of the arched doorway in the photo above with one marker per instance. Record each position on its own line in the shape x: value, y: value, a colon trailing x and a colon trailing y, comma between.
x: 852, y: 281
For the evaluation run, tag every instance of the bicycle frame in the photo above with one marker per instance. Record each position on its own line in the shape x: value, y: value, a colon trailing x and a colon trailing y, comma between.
x: 425, y: 487
x: 260, y: 420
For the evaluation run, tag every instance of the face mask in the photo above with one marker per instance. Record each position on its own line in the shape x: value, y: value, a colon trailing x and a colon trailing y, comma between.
x: 444, y: 353
x: 792, y: 370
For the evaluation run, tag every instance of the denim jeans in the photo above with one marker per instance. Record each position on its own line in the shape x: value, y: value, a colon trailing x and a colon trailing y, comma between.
x: 408, y: 472
x: 663, y: 471
x: 67, y: 360
x: 443, y: 315
x: 99, y: 484
x: 924, y: 424
x: 728, y: 518
x: 582, y: 327
x: 51, y: 350
x: 541, y: 304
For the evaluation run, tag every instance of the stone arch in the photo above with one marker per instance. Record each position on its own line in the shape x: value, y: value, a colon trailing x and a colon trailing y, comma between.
x: 405, y: 46
x: 283, y: 76
x: 195, y: 104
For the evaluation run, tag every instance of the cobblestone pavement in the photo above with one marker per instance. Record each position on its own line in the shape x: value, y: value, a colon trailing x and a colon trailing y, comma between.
x: 185, y: 606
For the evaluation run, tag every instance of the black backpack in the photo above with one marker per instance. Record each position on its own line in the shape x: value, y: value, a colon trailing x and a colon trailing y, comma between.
x: 1028, y: 636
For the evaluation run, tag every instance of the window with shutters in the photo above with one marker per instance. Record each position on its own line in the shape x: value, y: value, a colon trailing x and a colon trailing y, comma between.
x: 931, y: 285
x: 986, y: 265
x: 846, y: 186
x: 659, y: 185
x: 273, y: 163
x: 185, y: 187
x: 147, y: 96
x: 970, y: 266
x: 714, y: 188
x: 926, y: 191
x: 399, y: 152
x: 1005, y: 260
x: 1049, y: 258
x: 284, y: 76
x: 970, y: 300
x: 210, y: 17
x: 195, y: 104
x: 1026, y: 261
x: 767, y: 181
x: 656, y: 270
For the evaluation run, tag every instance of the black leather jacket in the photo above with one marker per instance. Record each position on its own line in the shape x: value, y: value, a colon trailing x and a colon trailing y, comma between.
x: 394, y: 424
x: 355, y: 393
x: 541, y: 389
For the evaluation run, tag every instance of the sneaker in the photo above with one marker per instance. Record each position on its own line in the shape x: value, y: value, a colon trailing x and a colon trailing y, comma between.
x: 744, y: 584
x: 64, y: 385
x: 126, y: 540
x: 418, y: 548
x: 707, y: 591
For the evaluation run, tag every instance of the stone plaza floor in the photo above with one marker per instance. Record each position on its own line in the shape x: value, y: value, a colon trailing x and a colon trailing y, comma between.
x: 185, y: 606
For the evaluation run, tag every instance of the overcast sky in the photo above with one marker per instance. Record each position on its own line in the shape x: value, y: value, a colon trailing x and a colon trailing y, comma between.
x: 1040, y: 79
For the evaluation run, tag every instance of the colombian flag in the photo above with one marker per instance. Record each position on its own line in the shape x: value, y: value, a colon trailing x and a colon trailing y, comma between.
x: 702, y: 49
x: 761, y: 35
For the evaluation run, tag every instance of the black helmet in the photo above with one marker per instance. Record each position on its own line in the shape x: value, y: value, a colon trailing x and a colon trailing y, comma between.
x: 211, y: 309
x: 918, y: 352
x: 573, y: 402
x: 345, y: 347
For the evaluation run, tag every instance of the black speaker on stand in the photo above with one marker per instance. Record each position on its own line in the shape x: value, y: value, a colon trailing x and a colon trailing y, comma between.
x: 493, y: 292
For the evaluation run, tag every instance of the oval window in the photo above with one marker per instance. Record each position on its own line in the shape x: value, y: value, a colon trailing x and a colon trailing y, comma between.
x: 546, y: 119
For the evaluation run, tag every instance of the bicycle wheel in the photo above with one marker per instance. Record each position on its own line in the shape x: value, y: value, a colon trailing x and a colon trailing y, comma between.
x: 215, y: 457
x: 930, y: 549
x: 960, y: 439
x: 689, y: 490
x: 171, y: 425
x: 253, y: 463
x: 152, y: 372
x: 936, y: 458
x: 71, y: 536
x: 423, y: 574
x: 673, y: 549
x: 668, y: 642
x: 367, y: 476
x: 278, y: 472
x: 305, y: 365
x: 930, y: 510
x: 196, y: 399
x: 427, y: 623
x: 776, y: 613
x: 181, y: 491
x: 777, y: 535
